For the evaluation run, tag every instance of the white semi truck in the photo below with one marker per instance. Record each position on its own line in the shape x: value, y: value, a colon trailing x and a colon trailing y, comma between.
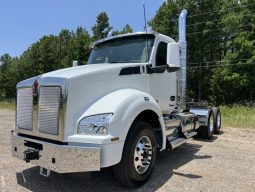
x: 122, y: 108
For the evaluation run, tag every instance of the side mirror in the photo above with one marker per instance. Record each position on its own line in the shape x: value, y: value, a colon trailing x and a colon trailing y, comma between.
x: 173, y: 56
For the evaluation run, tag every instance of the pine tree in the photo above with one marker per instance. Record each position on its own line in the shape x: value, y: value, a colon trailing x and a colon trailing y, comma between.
x: 101, y: 26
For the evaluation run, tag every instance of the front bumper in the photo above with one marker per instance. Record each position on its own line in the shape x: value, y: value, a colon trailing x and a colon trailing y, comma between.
x: 58, y: 158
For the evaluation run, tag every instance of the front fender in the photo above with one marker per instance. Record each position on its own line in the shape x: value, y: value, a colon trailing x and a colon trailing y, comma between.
x: 126, y: 105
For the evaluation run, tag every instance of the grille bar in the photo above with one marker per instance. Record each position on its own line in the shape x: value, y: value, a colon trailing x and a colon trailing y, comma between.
x: 49, y: 105
x: 24, y: 108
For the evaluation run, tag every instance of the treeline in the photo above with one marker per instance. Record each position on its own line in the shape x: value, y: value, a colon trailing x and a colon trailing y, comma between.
x: 50, y: 53
x: 221, y: 49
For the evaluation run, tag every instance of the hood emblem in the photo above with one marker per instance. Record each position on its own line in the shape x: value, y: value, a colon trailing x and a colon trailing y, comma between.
x: 35, y: 92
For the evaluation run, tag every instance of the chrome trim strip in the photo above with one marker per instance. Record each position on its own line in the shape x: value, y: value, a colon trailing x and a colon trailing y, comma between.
x: 36, y: 109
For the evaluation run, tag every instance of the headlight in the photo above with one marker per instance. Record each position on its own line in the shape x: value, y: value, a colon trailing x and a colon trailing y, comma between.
x: 95, y: 125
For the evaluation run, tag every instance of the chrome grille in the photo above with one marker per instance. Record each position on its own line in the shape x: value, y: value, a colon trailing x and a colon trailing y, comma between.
x: 49, y: 105
x: 24, y: 108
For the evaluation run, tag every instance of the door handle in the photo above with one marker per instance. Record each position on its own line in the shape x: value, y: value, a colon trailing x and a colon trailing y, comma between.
x: 172, y: 98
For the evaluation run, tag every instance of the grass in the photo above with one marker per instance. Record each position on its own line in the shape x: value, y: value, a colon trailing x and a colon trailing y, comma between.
x: 238, y: 116
x: 7, y: 105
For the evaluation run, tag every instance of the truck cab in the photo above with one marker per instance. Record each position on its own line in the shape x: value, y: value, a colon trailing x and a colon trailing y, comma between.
x: 121, y: 108
x: 139, y: 54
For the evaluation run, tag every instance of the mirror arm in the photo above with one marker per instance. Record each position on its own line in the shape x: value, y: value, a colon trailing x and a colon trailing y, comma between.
x: 173, y: 69
x: 161, y: 69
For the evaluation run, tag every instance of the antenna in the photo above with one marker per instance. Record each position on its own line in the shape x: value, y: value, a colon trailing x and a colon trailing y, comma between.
x: 145, y: 27
x: 145, y: 19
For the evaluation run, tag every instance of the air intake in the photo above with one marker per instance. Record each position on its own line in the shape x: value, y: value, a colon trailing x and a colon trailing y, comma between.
x: 24, y: 108
x: 49, y: 106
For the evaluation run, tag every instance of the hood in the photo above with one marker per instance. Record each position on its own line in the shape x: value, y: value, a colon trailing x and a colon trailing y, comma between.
x: 83, y: 86
x: 90, y: 69
x: 63, y: 75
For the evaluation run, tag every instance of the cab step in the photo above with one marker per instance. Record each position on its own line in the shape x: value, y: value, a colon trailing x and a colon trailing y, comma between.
x: 177, y: 142
x: 190, y: 134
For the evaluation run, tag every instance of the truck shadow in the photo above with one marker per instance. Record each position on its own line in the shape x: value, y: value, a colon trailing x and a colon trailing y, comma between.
x: 166, y: 164
x: 215, y: 137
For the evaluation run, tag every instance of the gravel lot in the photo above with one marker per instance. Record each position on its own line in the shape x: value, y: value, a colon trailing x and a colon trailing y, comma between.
x: 227, y: 163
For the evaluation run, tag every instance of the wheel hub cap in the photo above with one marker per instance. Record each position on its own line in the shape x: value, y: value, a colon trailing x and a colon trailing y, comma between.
x: 142, y: 155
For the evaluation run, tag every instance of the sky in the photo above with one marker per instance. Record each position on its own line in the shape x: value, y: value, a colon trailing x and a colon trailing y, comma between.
x: 25, y: 22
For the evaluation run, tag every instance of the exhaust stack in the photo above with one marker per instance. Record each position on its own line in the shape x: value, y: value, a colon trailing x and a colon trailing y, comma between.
x: 183, y: 60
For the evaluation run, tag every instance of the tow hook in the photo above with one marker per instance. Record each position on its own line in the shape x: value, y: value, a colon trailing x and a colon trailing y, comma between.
x: 31, y: 154
x: 44, y: 172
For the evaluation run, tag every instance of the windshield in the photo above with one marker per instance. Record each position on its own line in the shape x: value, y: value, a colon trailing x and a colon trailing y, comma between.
x: 130, y: 49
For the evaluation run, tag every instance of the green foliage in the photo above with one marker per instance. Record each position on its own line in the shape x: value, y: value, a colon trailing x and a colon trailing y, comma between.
x: 218, y: 33
x: 50, y: 53
x: 125, y: 29
x: 221, y: 49
x: 7, y: 105
x: 240, y: 53
x: 238, y: 116
x: 99, y: 29
x: 5, y: 61
x: 75, y: 48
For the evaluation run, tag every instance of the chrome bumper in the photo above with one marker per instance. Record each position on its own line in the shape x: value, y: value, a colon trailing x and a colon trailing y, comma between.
x: 59, y: 158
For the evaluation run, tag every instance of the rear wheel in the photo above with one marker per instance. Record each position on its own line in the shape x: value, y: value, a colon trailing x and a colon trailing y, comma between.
x: 217, y: 115
x: 138, y: 156
x: 206, y: 132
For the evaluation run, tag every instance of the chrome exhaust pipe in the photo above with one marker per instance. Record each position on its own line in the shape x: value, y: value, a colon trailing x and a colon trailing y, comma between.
x: 183, y: 59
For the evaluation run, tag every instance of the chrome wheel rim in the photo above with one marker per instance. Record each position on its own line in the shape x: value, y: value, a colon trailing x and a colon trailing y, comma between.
x: 211, y: 124
x: 142, y: 155
x: 218, y: 120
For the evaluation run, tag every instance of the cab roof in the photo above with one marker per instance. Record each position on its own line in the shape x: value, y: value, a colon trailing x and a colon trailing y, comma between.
x: 157, y: 35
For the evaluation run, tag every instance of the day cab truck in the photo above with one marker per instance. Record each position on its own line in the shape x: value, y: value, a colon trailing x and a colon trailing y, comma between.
x: 122, y: 108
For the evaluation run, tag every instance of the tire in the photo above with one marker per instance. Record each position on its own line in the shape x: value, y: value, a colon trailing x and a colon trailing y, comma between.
x: 217, y: 115
x: 130, y: 171
x: 206, y: 132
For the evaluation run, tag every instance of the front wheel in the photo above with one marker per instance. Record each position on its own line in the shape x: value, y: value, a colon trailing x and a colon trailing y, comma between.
x: 139, y: 155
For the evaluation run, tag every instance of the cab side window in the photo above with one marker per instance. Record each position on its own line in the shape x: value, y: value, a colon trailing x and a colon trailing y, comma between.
x: 161, y: 54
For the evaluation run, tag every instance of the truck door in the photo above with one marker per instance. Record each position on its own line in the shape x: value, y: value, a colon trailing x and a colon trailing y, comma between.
x: 162, y: 84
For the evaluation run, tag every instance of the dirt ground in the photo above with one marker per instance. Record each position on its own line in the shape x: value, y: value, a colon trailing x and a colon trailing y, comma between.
x: 227, y: 163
